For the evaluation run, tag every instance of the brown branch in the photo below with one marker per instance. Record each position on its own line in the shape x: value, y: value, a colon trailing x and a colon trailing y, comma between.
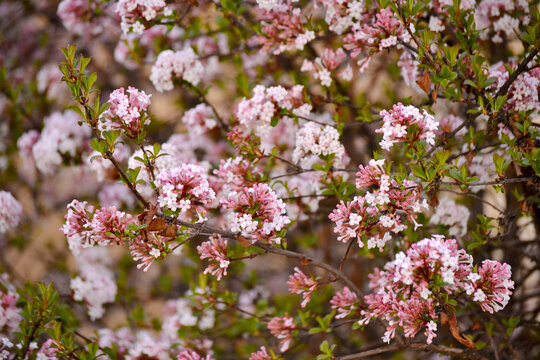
x: 521, y: 68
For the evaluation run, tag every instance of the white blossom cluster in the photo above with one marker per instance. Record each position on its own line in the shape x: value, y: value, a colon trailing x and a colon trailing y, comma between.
x: 316, y: 140
x: 453, y: 215
x: 131, y: 10
x: 183, y: 64
x: 10, y: 212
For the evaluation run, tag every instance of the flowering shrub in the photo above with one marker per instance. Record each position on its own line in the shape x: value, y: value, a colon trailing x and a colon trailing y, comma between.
x: 270, y: 179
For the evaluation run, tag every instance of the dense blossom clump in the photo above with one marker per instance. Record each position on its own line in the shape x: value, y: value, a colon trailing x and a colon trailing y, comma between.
x: 131, y: 11
x: 282, y: 328
x: 501, y: 18
x: 323, y: 68
x: 237, y: 173
x: 397, y: 121
x: 10, y: 211
x: 257, y: 112
x: 300, y: 284
x: 215, y: 250
x: 85, y: 225
x: 523, y: 93
x: 127, y: 112
x: 257, y: 213
x: 171, y: 65
x: 453, y: 215
x: 377, y: 214
x: 61, y: 138
x: 200, y: 119
x: 283, y: 29
x: 340, y: 15
x: 10, y: 314
x: 261, y: 354
x: 410, y: 288
x: 95, y: 284
x: 345, y: 303
x: 313, y: 139
x: 384, y: 32
x: 185, y: 188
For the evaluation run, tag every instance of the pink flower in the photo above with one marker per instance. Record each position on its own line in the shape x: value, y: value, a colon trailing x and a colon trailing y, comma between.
x: 345, y: 303
x: 131, y: 11
x: 237, y: 173
x: 319, y: 141
x: 397, y: 121
x: 192, y: 355
x: 282, y: 28
x: 257, y: 212
x: 126, y: 113
x: 48, y: 350
x: 170, y: 65
x: 215, y: 250
x: 199, y: 119
x: 494, y: 287
x: 375, y: 36
x: 10, y: 314
x: 147, y: 250
x: 185, y: 188
x: 323, y: 67
x: 300, y: 284
x: 260, y: 355
x: 10, y: 211
x: 282, y: 328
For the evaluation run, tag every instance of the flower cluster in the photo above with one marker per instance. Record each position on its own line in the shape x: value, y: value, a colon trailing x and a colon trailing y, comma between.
x: 86, y: 225
x: 10, y: 314
x: 384, y: 32
x: 283, y: 29
x: 397, y: 121
x: 215, y: 250
x: 342, y: 14
x: 126, y: 112
x: 323, y: 68
x: 77, y: 16
x: 300, y: 284
x: 257, y: 212
x: 145, y: 249
x: 282, y: 328
x: 314, y: 139
x: 183, y: 64
x: 131, y: 11
x: 185, y: 188
x: 192, y: 355
x: 258, y: 111
x: 262, y: 354
x: 61, y: 138
x: 377, y: 214
x: 10, y: 211
x: 236, y: 173
x: 199, y: 119
x: 95, y: 284
x: 523, y: 92
x: 345, y: 303
x: 498, y: 17
x: 453, y: 215
x: 409, y: 289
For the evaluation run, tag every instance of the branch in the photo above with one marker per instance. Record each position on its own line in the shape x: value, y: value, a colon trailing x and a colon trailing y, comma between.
x: 521, y: 68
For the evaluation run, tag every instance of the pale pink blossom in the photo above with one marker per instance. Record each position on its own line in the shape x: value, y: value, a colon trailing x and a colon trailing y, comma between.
x: 282, y: 328
x: 345, y: 303
x: 262, y: 354
x: 215, y: 250
x: 127, y: 112
x: 300, y: 284
x: 171, y: 65
x: 10, y: 211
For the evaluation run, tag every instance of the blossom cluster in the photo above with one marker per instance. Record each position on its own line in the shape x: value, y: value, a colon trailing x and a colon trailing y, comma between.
x: 85, y: 225
x: 257, y: 213
x: 215, y: 250
x: 399, y: 119
x: 501, y: 17
x: 131, y: 11
x: 453, y: 215
x: 376, y: 215
x: 324, y: 67
x: 523, y: 92
x: 282, y: 328
x: 170, y: 65
x: 282, y: 29
x: 236, y: 173
x: 319, y: 141
x: 62, y: 138
x: 200, y: 119
x: 345, y: 303
x: 341, y: 15
x: 383, y: 33
x: 409, y: 289
x: 300, y: 284
x: 257, y: 112
x: 10, y: 211
x: 185, y: 188
x: 126, y: 112
x: 95, y: 284
x: 10, y: 314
